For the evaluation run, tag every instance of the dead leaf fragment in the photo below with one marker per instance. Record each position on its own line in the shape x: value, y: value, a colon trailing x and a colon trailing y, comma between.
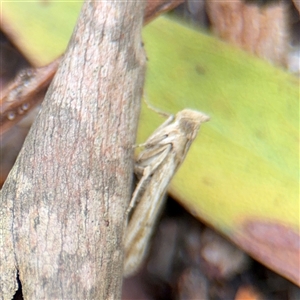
x: 273, y: 244
x: 261, y: 30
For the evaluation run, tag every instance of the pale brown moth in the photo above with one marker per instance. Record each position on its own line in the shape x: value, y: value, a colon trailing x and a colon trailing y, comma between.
x: 163, y: 153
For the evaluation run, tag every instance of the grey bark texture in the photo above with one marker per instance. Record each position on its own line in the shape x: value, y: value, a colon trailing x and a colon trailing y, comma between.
x: 63, y: 205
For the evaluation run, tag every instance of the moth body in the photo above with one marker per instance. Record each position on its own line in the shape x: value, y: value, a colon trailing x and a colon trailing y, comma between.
x: 163, y: 153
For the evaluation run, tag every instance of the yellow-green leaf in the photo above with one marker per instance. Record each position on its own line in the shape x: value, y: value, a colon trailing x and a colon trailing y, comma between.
x: 40, y: 29
x: 243, y: 167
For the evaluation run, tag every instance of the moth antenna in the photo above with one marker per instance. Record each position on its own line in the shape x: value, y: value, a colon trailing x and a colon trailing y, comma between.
x: 158, y: 111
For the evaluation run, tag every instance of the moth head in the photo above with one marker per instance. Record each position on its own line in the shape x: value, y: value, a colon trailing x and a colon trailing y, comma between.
x: 190, y: 121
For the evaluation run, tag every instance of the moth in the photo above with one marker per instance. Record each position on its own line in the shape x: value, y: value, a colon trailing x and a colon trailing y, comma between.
x: 163, y: 153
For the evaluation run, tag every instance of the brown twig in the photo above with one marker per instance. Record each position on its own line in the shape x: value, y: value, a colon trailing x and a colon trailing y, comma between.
x: 28, y: 89
x: 24, y: 93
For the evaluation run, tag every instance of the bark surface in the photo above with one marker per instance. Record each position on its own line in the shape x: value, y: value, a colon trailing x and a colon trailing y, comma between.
x: 62, y: 206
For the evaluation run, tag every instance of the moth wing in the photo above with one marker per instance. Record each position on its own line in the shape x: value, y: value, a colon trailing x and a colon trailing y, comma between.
x: 154, y: 160
x: 142, y: 221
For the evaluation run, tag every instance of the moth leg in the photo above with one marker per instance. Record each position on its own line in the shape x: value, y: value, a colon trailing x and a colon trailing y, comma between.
x: 139, y: 188
x: 147, y: 172
x: 164, y: 125
x: 149, y: 156
x: 156, y: 136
